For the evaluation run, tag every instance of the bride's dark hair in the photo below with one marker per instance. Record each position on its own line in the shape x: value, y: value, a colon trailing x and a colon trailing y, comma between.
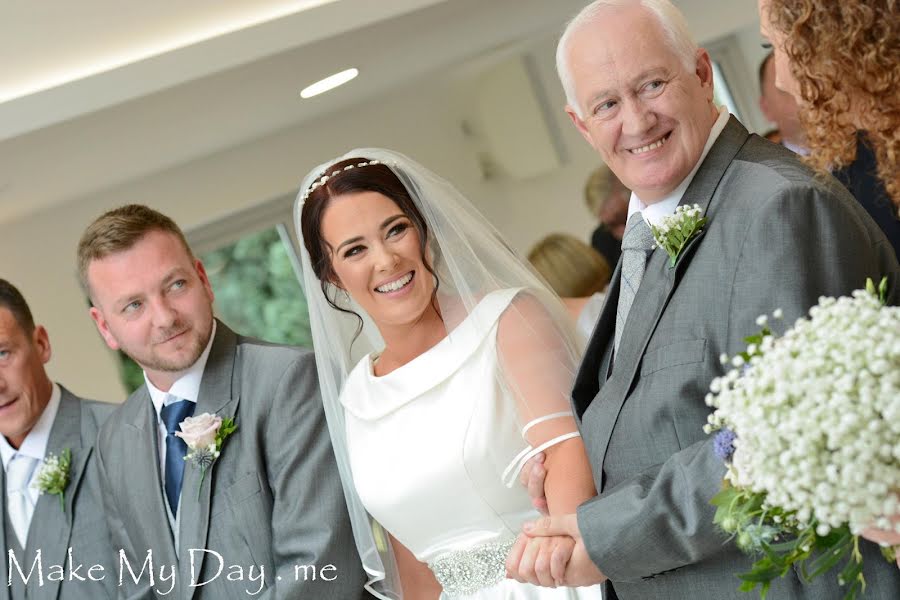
x: 369, y: 178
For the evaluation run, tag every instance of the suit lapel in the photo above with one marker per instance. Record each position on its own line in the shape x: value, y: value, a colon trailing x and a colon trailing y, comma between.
x: 660, y: 281
x: 51, y: 524
x: 219, y: 394
x: 137, y: 457
x: 590, y: 378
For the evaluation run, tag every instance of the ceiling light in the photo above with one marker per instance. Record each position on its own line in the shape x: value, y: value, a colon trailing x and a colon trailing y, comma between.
x: 329, y: 83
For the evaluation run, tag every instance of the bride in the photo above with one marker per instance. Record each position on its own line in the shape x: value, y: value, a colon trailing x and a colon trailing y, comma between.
x: 444, y: 365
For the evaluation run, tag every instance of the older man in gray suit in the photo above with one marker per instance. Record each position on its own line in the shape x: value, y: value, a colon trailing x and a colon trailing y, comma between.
x: 265, y: 514
x: 641, y: 93
x: 39, y: 418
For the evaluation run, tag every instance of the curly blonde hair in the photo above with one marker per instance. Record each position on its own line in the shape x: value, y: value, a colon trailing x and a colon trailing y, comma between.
x: 846, y: 54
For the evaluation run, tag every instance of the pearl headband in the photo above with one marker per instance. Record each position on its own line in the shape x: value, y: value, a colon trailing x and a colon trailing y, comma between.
x: 324, y: 178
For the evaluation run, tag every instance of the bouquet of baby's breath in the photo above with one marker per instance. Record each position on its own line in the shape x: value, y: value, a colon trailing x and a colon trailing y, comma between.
x: 809, y: 426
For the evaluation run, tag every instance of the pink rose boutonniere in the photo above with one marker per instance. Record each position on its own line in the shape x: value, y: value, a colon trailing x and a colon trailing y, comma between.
x: 205, y: 435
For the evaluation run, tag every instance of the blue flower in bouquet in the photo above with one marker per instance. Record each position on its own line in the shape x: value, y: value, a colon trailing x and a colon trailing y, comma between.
x: 723, y: 444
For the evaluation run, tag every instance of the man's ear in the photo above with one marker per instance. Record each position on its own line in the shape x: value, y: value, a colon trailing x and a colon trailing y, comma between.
x: 204, y: 279
x: 103, y: 328
x: 580, y: 125
x: 41, y: 341
x: 705, y: 70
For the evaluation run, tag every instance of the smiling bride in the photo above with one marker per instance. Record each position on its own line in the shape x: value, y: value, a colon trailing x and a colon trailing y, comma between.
x: 445, y: 365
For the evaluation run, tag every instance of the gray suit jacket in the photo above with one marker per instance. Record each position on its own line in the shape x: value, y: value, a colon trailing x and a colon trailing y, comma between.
x: 776, y: 238
x: 82, y: 526
x: 272, y: 500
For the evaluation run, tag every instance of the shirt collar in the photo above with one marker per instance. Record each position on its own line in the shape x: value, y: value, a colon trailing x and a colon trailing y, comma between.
x: 35, y: 443
x: 795, y: 148
x: 655, y: 212
x: 187, y: 386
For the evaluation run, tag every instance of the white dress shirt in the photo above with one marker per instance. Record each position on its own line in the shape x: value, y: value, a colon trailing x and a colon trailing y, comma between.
x: 186, y: 387
x: 34, y: 446
x: 655, y: 212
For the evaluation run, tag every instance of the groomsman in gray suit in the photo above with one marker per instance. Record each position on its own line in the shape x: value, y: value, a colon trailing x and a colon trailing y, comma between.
x: 640, y: 91
x: 40, y: 418
x: 266, y: 517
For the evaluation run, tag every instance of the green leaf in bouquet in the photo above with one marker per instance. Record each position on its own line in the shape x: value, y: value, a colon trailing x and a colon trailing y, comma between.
x: 834, y: 549
x: 730, y: 514
x: 852, y: 576
x: 726, y: 496
x: 748, y: 586
x: 763, y: 571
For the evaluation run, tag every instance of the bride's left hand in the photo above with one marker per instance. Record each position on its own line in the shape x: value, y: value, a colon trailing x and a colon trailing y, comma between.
x: 532, y: 479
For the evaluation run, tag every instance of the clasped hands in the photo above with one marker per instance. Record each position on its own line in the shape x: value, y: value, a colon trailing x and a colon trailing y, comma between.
x: 550, y: 552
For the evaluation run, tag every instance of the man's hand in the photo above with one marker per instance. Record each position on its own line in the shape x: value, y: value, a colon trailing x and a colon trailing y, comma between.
x: 539, y: 558
x: 541, y: 561
x: 532, y: 478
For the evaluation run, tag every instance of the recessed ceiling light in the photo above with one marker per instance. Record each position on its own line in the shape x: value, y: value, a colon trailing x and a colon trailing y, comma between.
x: 329, y: 83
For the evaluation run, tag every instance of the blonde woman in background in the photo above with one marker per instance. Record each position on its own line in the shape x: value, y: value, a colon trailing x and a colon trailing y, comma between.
x: 576, y: 272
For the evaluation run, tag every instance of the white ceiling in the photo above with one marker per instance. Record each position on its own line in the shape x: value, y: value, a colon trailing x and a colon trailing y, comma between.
x: 98, y: 92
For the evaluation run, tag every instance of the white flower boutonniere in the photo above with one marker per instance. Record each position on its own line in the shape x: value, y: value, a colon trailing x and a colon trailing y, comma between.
x: 53, y: 476
x: 674, y: 232
x: 205, y: 435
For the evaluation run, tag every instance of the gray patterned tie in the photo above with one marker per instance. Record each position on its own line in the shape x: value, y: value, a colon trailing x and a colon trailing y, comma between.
x: 637, y: 244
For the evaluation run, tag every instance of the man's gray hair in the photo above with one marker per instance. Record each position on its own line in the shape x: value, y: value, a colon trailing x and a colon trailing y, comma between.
x: 670, y: 20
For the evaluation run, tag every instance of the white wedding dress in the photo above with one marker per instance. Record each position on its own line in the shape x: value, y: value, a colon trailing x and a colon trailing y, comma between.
x: 432, y: 446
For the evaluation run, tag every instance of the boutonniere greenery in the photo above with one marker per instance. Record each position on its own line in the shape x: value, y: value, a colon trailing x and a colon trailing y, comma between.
x: 674, y: 232
x: 205, y: 435
x: 53, y: 476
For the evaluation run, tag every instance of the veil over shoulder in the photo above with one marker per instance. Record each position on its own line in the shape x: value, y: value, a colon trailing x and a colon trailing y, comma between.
x: 538, y: 348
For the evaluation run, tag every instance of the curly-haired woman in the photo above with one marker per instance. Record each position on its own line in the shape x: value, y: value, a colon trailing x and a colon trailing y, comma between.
x: 841, y: 61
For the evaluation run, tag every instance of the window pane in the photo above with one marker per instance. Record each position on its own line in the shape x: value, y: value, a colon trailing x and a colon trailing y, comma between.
x: 721, y: 92
x: 257, y: 290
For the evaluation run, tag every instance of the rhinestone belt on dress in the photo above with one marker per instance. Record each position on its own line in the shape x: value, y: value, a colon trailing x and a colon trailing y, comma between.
x: 467, y: 571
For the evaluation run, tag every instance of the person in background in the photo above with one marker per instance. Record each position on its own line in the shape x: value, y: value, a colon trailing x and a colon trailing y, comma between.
x: 841, y: 62
x: 576, y: 272
x: 40, y: 419
x: 780, y: 108
x: 607, y: 198
x: 773, y: 135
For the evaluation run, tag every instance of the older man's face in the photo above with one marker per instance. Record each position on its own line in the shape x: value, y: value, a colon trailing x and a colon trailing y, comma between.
x: 642, y: 110
x: 24, y: 386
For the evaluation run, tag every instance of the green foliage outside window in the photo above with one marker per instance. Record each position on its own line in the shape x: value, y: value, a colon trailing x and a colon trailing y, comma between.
x: 257, y: 294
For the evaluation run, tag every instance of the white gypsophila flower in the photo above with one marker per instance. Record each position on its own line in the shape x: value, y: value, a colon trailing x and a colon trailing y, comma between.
x: 817, y: 415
